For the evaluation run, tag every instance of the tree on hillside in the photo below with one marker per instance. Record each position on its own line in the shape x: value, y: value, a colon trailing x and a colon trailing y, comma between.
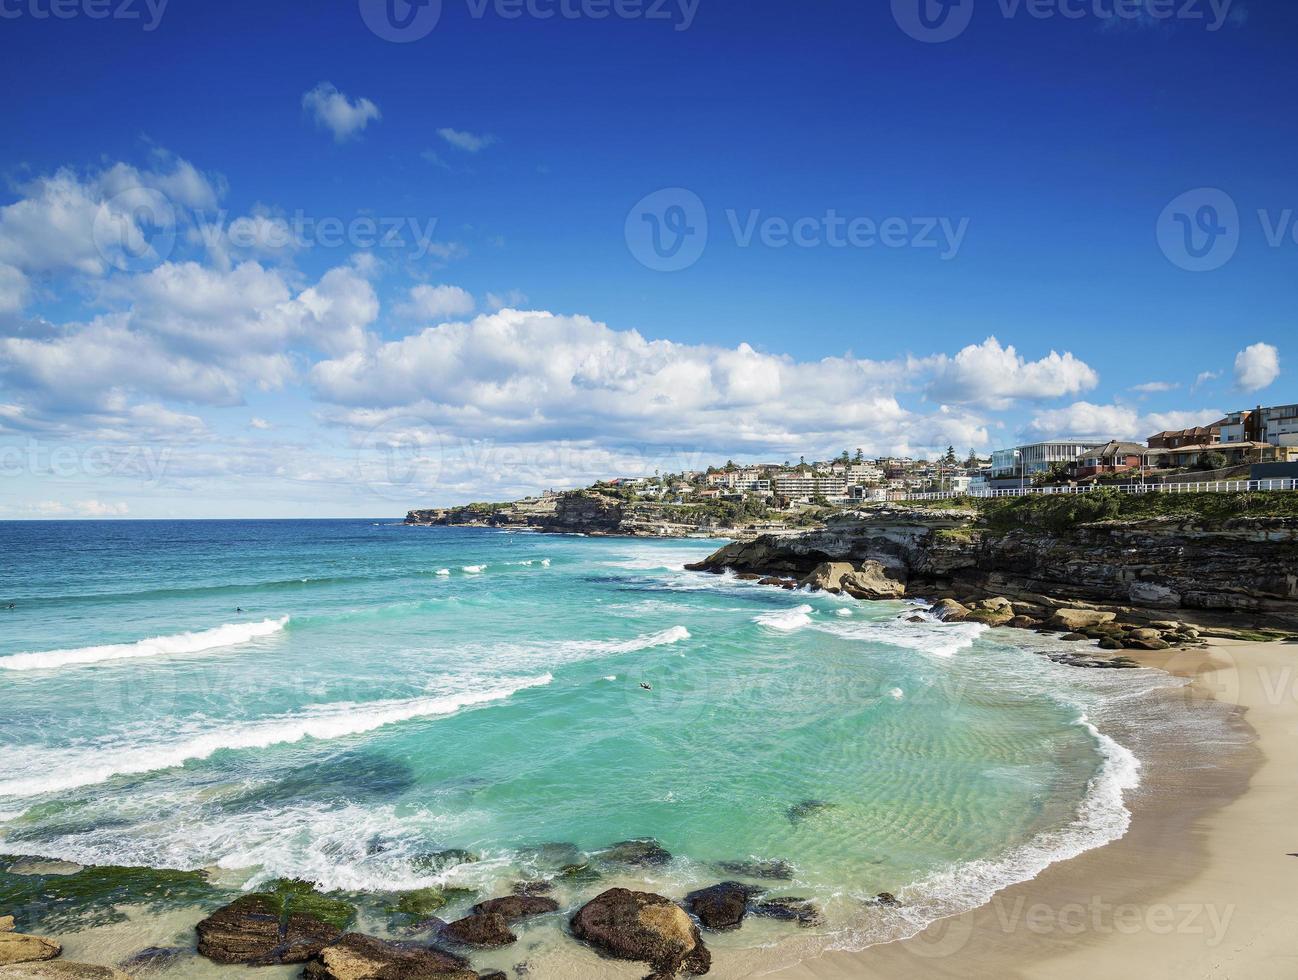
x: 859, y: 456
x: 949, y: 459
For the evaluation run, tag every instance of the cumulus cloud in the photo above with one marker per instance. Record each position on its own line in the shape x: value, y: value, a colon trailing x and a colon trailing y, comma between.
x: 992, y: 376
x: 519, y: 376
x: 66, y: 222
x: 1256, y: 367
x: 192, y: 334
x: 469, y: 142
x: 1153, y: 387
x: 334, y: 111
x: 1084, y: 420
x: 437, y: 303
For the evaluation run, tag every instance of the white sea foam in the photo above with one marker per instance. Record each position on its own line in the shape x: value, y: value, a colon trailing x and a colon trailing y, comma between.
x: 545, y: 562
x: 231, y: 634
x: 443, y: 571
x: 937, y: 639
x: 843, y: 612
x: 786, y: 620
x: 474, y: 569
x: 46, y: 771
x: 663, y: 638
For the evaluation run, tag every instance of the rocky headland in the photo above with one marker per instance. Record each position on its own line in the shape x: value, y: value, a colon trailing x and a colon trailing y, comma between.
x: 1133, y: 582
x: 588, y: 512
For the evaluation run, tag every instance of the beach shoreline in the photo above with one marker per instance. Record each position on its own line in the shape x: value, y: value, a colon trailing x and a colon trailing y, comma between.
x: 1200, y: 886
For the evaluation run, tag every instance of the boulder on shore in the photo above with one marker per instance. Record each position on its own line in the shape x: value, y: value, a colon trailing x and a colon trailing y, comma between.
x: 866, y: 580
x: 358, y: 957
x: 256, y: 930
x: 721, y: 906
x: 59, y: 970
x: 799, y: 910
x: 485, y: 929
x: 642, y: 926
x: 15, y: 947
x: 1073, y: 620
x: 515, y: 907
x: 949, y: 611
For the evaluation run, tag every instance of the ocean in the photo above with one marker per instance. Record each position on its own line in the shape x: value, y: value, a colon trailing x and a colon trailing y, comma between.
x: 347, y: 702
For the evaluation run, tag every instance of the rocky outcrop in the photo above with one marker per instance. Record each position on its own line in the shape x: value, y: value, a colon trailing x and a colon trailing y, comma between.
x: 15, y: 947
x: 358, y: 957
x: 1210, y: 566
x: 61, y: 970
x: 645, y: 927
x: 799, y: 910
x: 258, y: 930
x: 722, y: 906
x: 483, y: 929
x: 1076, y: 619
x: 515, y: 907
x: 862, y: 580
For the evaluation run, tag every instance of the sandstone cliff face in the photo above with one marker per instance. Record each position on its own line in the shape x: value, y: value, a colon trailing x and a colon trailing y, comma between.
x: 1244, y: 565
x: 585, y: 513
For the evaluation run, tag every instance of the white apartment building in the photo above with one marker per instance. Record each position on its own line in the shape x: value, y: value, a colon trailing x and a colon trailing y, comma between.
x: 1027, y: 461
x: 800, y: 486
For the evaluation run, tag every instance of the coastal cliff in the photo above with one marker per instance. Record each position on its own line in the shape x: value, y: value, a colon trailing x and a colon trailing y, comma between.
x: 1184, y: 562
x: 584, y: 512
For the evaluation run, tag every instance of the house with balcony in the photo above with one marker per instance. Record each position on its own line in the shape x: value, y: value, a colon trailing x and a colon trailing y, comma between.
x: 1112, y: 457
x: 1198, y: 436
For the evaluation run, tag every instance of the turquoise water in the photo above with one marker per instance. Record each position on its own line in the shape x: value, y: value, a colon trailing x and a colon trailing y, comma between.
x: 388, y: 692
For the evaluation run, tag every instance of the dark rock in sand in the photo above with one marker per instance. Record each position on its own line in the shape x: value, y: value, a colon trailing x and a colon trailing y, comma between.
x: 515, y: 907
x: 642, y: 926
x: 644, y: 852
x: 887, y: 900
x: 1110, y: 643
x: 487, y: 930
x: 721, y: 906
x: 1024, y: 623
x: 1075, y: 637
x: 766, y: 870
x: 358, y: 957
x: 155, y: 959
x: 259, y: 930
x: 807, y: 808
x: 799, y: 910
x: 1131, y: 643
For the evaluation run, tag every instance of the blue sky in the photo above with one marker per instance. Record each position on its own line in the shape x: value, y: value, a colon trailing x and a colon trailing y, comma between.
x: 1031, y: 180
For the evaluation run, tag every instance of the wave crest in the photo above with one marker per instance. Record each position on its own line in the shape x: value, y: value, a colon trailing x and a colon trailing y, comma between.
x: 231, y: 634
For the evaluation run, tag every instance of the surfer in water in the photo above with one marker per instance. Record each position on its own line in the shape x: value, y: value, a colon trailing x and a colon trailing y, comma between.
x: 646, y: 686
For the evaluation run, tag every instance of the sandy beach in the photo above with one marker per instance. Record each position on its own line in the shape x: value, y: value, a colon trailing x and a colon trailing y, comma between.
x: 1202, y: 886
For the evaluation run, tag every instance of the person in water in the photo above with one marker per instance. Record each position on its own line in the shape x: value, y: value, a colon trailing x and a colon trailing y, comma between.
x: 238, y: 609
x: 645, y: 686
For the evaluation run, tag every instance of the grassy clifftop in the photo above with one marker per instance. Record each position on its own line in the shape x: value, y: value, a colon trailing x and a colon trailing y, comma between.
x: 1059, y: 512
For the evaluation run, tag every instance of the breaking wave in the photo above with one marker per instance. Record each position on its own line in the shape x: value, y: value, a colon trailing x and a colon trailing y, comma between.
x: 232, y: 634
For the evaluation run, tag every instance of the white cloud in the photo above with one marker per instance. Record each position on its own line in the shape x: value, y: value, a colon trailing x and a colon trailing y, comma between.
x: 191, y: 334
x: 1256, y: 367
x: 52, y: 228
x: 470, y: 142
x: 525, y: 376
x: 1203, y: 378
x: 337, y: 113
x: 1153, y: 387
x: 14, y: 289
x: 991, y: 376
x: 259, y: 424
x: 437, y: 303
x: 1084, y: 420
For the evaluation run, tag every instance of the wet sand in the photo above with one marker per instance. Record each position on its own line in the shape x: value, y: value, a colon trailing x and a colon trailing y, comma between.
x: 1202, y: 886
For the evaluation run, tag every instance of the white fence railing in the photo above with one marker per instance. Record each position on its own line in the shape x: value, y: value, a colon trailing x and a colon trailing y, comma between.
x: 1211, y: 486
